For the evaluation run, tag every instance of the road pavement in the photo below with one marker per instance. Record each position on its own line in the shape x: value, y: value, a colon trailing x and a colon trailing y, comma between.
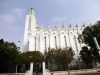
x: 90, y: 74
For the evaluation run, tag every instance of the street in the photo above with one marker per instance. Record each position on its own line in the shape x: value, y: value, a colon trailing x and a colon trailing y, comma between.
x: 98, y: 73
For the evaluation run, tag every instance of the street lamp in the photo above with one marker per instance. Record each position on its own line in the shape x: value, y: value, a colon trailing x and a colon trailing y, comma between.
x: 31, y: 66
x: 16, y: 67
x: 18, y: 48
x: 97, y: 45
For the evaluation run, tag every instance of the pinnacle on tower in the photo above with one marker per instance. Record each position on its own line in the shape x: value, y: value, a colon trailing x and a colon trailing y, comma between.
x: 31, y: 11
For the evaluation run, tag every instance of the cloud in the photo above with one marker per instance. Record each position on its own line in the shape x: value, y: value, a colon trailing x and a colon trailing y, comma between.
x: 9, y: 20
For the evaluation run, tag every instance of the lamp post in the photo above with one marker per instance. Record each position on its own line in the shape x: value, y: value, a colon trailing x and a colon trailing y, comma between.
x: 16, y: 67
x: 18, y: 48
x: 31, y: 66
x: 97, y: 45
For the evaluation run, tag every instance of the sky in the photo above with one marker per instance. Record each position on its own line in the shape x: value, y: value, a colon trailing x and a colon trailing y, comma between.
x: 48, y: 12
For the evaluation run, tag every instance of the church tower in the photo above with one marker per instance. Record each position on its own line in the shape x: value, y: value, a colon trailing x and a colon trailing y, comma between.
x: 30, y: 26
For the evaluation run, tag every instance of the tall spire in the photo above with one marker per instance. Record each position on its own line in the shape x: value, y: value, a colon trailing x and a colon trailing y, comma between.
x: 32, y: 22
x: 30, y: 27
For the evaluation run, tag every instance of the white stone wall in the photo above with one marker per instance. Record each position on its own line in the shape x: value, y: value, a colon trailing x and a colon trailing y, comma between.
x: 42, y: 39
x: 36, y: 38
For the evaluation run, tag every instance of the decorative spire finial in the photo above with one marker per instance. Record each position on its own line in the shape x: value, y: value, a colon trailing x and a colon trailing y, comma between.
x: 83, y: 25
x: 70, y: 26
x: 76, y: 25
x: 31, y: 11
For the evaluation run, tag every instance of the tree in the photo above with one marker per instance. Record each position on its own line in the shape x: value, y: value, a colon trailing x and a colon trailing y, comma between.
x: 86, y: 56
x: 32, y: 56
x: 64, y: 57
x: 8, y: 56
x: 87, y: 37
x: 59, y: 57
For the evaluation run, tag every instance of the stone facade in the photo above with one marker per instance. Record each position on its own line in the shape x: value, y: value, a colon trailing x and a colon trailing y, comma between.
x: 39, y: 39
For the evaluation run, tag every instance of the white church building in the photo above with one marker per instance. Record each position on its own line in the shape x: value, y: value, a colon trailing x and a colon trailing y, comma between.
x: 40, y: 39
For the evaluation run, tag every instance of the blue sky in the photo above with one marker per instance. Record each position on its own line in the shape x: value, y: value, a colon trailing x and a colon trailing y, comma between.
x: 48, y: 12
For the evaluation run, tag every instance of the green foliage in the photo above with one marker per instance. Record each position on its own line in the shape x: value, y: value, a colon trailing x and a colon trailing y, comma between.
x: 8, y: 56
x: 89, y: 32
x: 59, y: 57
x: 86, y: 56
x: 64, y: 55
x: 87, y: 37
x: 32, y: 56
